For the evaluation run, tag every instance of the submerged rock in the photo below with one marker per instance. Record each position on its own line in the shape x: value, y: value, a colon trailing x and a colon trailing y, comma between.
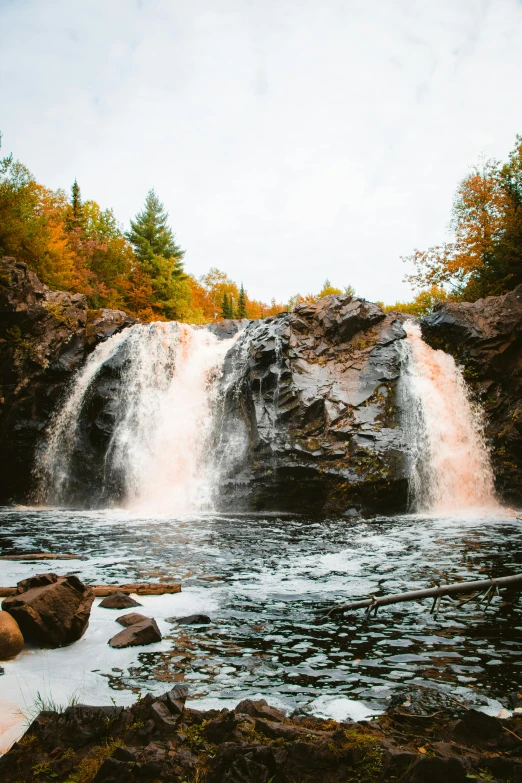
x: 191, y: 619
x: 144, y: 632
x: 51, y: 610
x: 118, y: 601
x: 485, y: 337
x: 11, y: 639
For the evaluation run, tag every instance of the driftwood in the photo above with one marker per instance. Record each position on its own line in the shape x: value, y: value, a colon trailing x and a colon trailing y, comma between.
x: 43, y: 556
x: 140, y: 588
x: 489, y: 586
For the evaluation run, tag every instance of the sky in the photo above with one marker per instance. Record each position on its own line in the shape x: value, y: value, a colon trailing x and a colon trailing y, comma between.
x: 290, y: 140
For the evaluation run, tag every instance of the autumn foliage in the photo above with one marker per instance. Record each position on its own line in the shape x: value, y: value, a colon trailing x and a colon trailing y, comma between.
x: 484, y: 256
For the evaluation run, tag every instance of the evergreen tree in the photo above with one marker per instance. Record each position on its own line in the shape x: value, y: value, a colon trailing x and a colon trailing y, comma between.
x: 75, y: 217
x: 151, y: 236
x: 241, y: 303
x: 227, y: 307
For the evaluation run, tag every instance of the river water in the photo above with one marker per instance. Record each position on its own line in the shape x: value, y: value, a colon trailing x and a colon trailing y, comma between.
x: 266, y: 582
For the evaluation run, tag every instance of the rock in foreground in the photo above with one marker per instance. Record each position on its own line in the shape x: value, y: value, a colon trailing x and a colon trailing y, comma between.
x: 158, y: 739
x: 11, y: 639
x: 51, y: 610
x: 145, y: 632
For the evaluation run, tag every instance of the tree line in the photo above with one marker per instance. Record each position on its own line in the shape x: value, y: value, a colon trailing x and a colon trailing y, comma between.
x: 75, y: 245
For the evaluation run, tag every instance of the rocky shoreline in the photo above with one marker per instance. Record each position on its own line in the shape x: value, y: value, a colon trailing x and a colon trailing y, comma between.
x: 427, y: 737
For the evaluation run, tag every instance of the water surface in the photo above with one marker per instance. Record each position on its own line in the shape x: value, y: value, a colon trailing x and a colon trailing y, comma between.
x: 266, y: 581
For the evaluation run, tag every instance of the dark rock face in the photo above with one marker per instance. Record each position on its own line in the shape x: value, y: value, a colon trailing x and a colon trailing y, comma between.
x: 44, y: 338
x: 144, y: 632
x: 485, y: 337
x: 51, y: 610
x: 314, y: 395
x: 159, y: 738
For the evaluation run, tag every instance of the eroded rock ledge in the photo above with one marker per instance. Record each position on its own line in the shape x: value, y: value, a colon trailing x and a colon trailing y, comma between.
x: 485, y: 337
x: 44, y: 338
x: 428, y: 738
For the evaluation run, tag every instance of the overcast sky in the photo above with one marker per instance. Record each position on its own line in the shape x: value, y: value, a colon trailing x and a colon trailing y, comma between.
x: 290, y: 140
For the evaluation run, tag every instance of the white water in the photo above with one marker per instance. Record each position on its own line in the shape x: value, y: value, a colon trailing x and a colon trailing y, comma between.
x: 450, y: 468
x: 161, y: 443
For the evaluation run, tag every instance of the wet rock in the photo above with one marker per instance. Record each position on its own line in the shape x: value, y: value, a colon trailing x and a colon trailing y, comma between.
x: 51, y: 610
x: 131, y: 619
x: 11, y: 639
x: 146, y: 632
x: 485, y: 337
x: 228, y: 328
x: 102, y: 324
x: 118, y: 601
x: 43, y: 341
x: 191, y: 619
x: 313, y: 397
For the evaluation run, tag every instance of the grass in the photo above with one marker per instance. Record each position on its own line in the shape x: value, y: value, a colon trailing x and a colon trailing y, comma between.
x: 44, y: 703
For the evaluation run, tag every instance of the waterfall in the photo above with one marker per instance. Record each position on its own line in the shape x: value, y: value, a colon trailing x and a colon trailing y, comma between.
x: 160, y: 447
x: 450, y: 469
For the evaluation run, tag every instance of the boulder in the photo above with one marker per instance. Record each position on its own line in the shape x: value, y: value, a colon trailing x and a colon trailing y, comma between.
x: 118, y: 601
x: 146, y: 632
x: 131, y: 619
x: 51, y: 610
x: 11, y: 639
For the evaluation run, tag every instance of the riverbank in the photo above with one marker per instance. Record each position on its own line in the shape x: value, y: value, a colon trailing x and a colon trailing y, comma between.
x: 426, y: 737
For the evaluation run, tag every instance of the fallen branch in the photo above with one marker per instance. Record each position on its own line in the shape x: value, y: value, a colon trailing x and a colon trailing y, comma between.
x: 431, y: 592
x: 43, y: 556
x: 139, y: 588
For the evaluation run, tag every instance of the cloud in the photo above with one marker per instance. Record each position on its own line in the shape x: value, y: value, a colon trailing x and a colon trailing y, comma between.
x: 290, y: 140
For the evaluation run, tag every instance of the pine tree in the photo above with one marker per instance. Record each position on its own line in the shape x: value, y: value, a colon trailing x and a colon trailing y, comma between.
x: 226, y: 307
x: 76, y: 216
x: 151, y: 236
x: 241, y: 303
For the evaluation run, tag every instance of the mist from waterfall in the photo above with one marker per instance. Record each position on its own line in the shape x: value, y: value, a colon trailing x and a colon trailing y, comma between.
x: 161, y: 443
x: 450, y: 468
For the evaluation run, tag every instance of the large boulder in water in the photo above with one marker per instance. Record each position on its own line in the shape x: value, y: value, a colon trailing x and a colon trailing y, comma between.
x: 51, y: 610
x: 485, y: 337
x: 311, y: 421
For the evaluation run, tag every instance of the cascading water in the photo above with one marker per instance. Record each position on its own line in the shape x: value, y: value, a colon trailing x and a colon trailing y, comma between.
x: 450, y: 469
x: 160, y: 446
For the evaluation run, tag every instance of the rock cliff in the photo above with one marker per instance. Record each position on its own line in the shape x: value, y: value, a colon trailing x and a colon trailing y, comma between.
x: 317, y: 392
x: 485, y: 337
x: 44, y: 338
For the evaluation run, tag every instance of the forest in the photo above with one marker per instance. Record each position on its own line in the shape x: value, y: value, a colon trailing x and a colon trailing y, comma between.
x: 75, y: 245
